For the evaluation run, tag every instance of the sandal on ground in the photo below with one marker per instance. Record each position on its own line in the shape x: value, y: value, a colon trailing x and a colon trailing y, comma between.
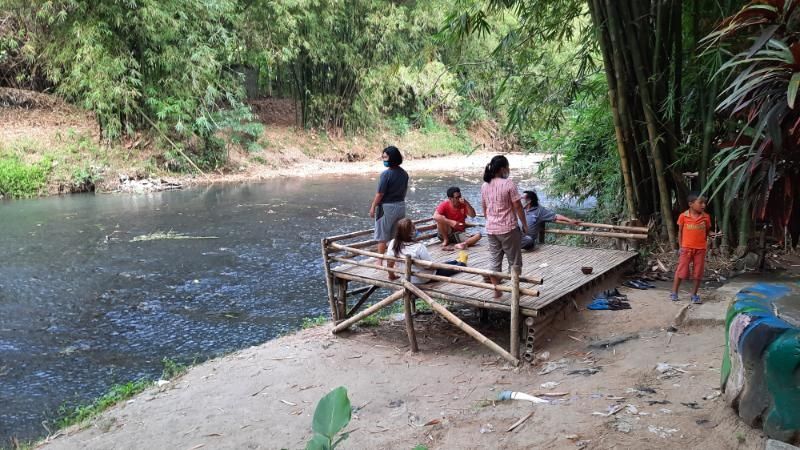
x: 634, y: 284
x: 645, y: 284
x: 673, y: 296
x: 696, y: 300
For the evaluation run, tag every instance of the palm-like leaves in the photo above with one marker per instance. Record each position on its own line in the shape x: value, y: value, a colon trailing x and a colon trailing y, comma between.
x: 762, y: 79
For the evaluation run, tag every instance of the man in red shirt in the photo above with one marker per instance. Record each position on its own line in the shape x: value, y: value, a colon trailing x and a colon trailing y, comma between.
x: 450, y: 216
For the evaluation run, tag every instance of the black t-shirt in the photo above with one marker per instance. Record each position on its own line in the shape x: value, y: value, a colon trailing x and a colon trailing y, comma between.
x: 393, y: 185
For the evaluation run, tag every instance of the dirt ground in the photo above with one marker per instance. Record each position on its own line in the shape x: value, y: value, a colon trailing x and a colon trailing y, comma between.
x: 443, y: 396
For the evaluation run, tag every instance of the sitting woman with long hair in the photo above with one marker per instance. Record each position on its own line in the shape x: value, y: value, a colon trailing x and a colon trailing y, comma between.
x: 404, y: 243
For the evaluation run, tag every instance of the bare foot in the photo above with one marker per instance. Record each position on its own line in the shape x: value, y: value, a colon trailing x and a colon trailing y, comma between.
x: 497, y: 293
x: 461, y: 246
x: 447, y: 248
x: 392, y: 276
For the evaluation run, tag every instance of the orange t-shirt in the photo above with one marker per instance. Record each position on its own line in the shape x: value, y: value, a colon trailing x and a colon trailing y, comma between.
x: 694, y: 230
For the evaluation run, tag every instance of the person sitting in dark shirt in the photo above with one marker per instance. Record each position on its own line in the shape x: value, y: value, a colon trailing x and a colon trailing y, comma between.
x: 536, y: 215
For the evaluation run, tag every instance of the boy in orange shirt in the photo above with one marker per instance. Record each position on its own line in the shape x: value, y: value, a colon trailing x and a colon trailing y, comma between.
x: 694, y: 227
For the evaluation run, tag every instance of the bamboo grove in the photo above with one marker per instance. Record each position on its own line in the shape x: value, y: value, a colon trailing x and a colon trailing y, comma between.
x: 697, y: 91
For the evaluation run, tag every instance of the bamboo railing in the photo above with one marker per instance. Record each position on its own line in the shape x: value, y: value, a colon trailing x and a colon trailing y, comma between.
x: 339, y: 249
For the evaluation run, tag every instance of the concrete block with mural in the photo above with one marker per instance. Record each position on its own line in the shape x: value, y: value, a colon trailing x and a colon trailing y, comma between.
x: 761, y: 364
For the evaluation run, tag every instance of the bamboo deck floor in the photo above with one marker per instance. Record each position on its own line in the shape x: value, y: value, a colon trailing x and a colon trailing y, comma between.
x: 559, y: 266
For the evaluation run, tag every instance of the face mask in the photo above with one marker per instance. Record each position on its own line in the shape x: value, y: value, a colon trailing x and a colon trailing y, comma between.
x: 386, y: 164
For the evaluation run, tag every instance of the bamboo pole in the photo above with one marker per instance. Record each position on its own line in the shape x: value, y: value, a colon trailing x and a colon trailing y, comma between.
x: 644, y: 230
x: 452, y: 318
x: 367, y: 294
x: 484, y: 304
x: 515, y: 270
x: 434, y: 265
x: 412, y: 336
x: 341, y: 296
x: 357, y: 291
x: 477, y: 284
x: 354, y: 234
x: 600, y: 234
x: 363, y: 264
x: 345, y: 324
x: 329, y: 279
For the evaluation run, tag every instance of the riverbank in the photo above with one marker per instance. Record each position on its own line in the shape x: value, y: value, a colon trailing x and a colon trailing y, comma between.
x: 442, y: 397
x: 55, y: 148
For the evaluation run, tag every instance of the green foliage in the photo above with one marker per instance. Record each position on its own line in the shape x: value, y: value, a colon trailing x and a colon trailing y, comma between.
x: 18, y: 179
x: 759, y: 94
x: 399, y: 125
x: 117, y: 393
x: 584, y: 160
x: 172, y: 369
x: 164, y: 65
x: 330, y: 417
x: 312, y: 322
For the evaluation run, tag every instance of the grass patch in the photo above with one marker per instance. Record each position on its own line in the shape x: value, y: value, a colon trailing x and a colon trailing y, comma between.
x: 172, y: 369
x: 169, y: 235
x: 312, y: 322
x: 70, y: 416
x: 20, y: 180
x: 117, y: 393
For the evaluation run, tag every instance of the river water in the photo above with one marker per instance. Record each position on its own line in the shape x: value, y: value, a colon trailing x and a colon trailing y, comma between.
x: 84, y: 305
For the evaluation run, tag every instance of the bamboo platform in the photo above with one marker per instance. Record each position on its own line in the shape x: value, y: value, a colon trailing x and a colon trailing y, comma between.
x: 561, y: 274
x: 550, y: 278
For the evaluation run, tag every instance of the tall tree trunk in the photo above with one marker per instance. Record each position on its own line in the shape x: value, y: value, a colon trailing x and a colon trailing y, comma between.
x: 615, y: 19
x: 614, y: 80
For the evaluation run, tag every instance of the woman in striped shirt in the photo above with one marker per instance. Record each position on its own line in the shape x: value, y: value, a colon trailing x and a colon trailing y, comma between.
x: 504, y: 214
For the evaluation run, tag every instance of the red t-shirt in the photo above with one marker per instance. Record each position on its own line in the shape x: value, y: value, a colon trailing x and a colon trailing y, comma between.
x: 695, y: 230
x: 458, y: 214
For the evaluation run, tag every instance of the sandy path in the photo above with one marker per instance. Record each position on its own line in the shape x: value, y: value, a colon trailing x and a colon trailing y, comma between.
x: 240, y: 401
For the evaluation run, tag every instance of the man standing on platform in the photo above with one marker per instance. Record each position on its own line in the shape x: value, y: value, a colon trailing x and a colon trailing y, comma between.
x: 450, y: 216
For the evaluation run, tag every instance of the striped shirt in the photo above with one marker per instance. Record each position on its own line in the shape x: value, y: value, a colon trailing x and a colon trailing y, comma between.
x: 498, y: 197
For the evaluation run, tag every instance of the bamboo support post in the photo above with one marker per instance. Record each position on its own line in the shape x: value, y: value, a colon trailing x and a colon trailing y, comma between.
x: 412, y: 336
x: 452, y: 318
x: 515, y: 270
x: 345, y: 324
x: 341, y: 297
x: 599, y: 234
x: 329, y: 280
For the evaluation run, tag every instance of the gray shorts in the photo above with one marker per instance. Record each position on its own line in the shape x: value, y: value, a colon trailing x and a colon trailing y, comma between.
x: 455, y: 237
x: 386, y: 218
x: 507, y: 245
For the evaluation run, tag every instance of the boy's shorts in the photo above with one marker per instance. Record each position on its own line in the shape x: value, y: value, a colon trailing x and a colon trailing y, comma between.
x: 696, y: 256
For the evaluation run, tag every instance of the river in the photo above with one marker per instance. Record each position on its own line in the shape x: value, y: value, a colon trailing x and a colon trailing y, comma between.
x: 84, y: 304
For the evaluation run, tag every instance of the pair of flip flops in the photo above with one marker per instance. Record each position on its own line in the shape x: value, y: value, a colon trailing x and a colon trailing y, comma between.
x: 638, y: 284
x: 608, y: 304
